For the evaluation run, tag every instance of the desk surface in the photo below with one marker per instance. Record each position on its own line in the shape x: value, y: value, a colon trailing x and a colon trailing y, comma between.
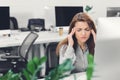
x: 77, y: 76
x: 17, y: 38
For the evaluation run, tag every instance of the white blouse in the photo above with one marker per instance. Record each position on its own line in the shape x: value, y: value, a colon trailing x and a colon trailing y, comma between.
x: 79, y: 58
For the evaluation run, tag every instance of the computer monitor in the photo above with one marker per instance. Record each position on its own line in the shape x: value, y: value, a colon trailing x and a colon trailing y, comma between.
x: 107, y: 49
x: 4, y: 20
x: 113, y: 12
x: 64, y: 14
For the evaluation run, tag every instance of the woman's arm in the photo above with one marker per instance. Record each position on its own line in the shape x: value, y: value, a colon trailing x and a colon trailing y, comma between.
x: 66, y: 52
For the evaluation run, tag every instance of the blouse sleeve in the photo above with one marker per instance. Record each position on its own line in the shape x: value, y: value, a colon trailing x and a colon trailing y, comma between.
x: 66, y: 52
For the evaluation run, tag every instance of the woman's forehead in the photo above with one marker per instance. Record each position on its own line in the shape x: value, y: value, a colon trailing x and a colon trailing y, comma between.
x: 81, y: 24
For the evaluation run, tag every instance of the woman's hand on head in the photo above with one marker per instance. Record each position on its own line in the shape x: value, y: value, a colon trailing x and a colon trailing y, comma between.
x: 70, y: 39
x: 94, y: 35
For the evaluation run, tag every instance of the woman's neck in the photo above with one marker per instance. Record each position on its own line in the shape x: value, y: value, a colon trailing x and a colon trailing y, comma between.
x: 82, y: 45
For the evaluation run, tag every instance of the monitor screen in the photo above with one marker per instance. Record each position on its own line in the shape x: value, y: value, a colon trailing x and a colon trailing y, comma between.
x: 113, y: 12
x: 4, y: 17
x: 64, y: 14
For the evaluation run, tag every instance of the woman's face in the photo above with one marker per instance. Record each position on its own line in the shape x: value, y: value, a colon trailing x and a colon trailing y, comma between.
x: 82, y: 31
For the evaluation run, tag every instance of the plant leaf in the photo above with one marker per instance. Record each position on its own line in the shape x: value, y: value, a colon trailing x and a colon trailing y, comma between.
x: 88, y: 8
x: 33, y: 66
x: 26, y: 74
x: 58, y: 72
x: 90, y: 67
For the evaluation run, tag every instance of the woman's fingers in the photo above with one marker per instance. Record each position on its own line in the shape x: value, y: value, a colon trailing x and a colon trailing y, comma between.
x: 94, y: 35
x: 72, y: 32
x: 70, y: 39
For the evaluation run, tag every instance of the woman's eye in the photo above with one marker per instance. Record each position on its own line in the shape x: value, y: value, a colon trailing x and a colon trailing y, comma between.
x: 87, y: 29
x: 79, y: 30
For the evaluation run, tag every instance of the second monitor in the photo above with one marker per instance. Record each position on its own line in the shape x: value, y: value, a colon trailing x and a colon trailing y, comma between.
x: 64, y: 14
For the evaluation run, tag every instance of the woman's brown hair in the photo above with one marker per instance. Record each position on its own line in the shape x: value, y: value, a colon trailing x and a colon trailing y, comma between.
x: 90, y: 42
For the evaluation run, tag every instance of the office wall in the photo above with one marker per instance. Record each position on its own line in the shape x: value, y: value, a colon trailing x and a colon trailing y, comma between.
x: 25, y: 9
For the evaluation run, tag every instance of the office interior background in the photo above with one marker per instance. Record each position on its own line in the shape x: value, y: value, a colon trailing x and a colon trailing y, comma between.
x: 23, y: 10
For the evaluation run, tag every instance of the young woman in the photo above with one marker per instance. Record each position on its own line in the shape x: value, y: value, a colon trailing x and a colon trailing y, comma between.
x: 79, y: 42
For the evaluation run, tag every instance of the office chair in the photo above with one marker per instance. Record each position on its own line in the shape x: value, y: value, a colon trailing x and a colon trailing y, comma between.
x: 19, y: 62
x: 52, y: 58
x: 36, y: 23
x: 13, y: 23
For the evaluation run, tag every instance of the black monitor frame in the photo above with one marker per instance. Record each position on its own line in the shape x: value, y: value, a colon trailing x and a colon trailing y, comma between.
x: 64, y: 14
x: 4, y: 17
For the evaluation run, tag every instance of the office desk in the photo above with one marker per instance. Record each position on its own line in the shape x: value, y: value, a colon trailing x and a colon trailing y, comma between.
x: 17, y: 38
x: 77, y: 76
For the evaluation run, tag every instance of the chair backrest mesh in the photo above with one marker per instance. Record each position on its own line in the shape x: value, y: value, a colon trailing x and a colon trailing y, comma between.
x: 27, y: 44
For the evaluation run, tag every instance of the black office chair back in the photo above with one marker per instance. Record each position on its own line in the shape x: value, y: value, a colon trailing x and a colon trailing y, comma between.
x: 52, y: 58
x: 36, y: 22
x: 21, y: 60
x: 13, y: 23
x: 27, y: 44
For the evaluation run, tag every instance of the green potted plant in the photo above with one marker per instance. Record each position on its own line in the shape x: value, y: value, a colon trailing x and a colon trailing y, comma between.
x: 29, y: 73
x: 34, y: 66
